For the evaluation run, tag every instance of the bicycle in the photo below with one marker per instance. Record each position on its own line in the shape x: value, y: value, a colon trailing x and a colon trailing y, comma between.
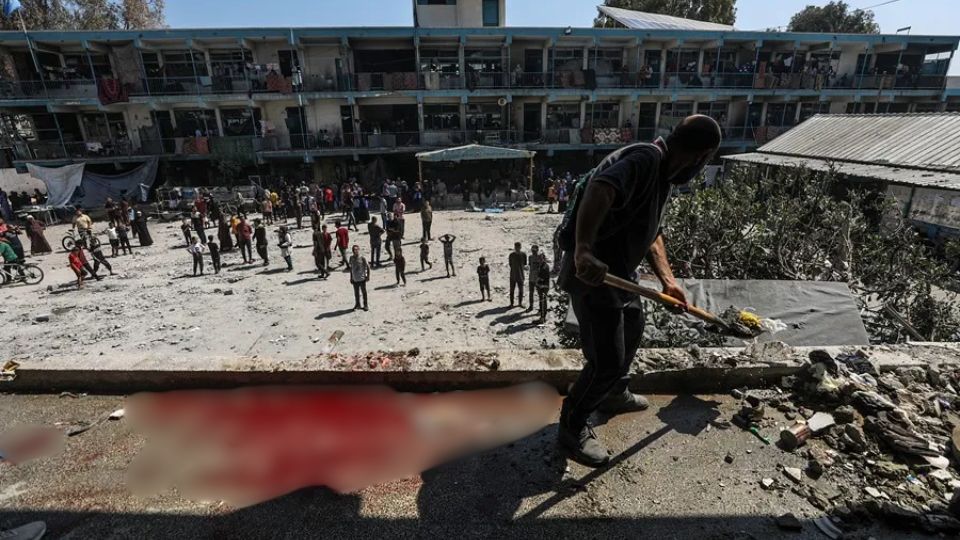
x: 71, y: 238
x: 30, y: 274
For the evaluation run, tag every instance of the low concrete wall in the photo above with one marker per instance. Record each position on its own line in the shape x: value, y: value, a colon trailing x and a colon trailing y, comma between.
x: 665, y: 371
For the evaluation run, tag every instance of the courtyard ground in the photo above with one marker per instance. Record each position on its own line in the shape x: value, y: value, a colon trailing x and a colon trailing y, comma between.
x: 154, y: 309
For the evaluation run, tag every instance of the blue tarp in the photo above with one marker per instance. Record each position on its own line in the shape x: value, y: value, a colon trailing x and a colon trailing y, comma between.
x: 95, y: 188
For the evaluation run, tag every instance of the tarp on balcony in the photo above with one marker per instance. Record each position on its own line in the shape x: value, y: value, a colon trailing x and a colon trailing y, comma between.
x: 73, y: 185
x: 474, y: 152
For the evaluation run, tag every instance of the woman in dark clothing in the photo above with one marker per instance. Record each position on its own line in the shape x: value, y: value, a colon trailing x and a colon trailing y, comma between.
x: 38, y: 242
x: 223, y: 231
x: 140, y: 225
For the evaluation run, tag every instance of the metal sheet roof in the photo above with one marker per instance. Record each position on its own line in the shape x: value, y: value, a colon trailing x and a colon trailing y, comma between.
x: 894, y: 175
x: 640, y: 20
x: 473, y: 152
x: 929, y: 141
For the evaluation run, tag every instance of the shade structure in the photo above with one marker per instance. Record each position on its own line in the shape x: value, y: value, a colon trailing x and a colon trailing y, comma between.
x: 474, y: 152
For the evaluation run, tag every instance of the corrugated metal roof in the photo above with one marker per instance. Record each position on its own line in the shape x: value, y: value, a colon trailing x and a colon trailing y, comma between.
x: 895, y: 175
x: 640, y: 20
x: 928, y: 141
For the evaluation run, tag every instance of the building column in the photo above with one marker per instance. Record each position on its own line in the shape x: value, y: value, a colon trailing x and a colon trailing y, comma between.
x: 219, y: 119
x: 462, y: 60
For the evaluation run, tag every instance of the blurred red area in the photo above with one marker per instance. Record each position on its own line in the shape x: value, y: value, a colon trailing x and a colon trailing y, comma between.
x: 251, y: 445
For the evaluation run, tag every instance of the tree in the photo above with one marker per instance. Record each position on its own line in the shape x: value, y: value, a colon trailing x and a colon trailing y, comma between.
x: 834, y: 18
x: 793, y: 225
x: 715, y: 11
x: 87, y: 15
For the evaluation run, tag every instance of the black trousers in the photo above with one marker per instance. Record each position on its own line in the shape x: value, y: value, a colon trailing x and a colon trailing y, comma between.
x: 609, y: 337
x: 245, y: 250
x: 516, y: 284
x: 216, y: 262
x: 542, y: 296
x: 125, y: 244
x: 358, y: 289
x: 485, y: 287
x: 197, y: 263
x: 375, y: 253
x: 400, y: 269
x: 98, y: 259
x: 448, y: 264
x: 427, y: 233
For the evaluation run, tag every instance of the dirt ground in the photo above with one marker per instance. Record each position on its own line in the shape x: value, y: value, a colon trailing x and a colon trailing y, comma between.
x: 153, y: 307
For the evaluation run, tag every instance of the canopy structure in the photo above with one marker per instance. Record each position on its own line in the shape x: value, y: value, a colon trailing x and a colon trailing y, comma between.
x: 475, y: 152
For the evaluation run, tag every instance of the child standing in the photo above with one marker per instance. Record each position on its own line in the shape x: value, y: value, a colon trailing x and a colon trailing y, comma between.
x: 447, y: 241
x: 214, y: 248
x: 483, y: 272
x: 400, y: 265
x: 285, y: 243
x: 196, y: 250
x: 124, y: 239
x: 343, y: 242
x: 114, y: 240
x: 543, y: 285
x: 425, y: 255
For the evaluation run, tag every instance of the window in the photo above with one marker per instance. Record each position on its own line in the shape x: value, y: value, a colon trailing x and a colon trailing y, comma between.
x: 189, y: 122
x: 606, y: 60
x: 240, y: 122
x: 715, y: 109
x: 104, y: 127
x: 184, y: 64
x: 565, y: 116
x: 484, y: 60
x: 441, y: 117
x: 230, y: 63
x: 781, y: 114
x: 491, y: 12
x: 566, y: 59
x: 437, y: 2
x: 80, y: 65
x: 604, y: 115
x: 484, y: 116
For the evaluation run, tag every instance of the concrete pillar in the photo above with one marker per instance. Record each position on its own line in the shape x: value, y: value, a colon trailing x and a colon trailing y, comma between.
x: 219, y: 119
x: 583, y: 114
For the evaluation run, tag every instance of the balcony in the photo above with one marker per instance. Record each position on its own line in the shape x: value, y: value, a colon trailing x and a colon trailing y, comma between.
x: 49, y: 89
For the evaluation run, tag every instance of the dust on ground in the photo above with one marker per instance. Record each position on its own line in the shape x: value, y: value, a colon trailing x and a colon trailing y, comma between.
x: 153, y: 308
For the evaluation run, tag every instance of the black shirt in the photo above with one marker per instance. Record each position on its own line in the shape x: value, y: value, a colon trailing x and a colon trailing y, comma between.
x: 375, y: 233
x: 260, y: 233
x: 214, y: 249
x: 630, y: 227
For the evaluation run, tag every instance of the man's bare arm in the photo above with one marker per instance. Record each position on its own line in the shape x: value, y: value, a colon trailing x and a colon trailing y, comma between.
x: 597, y: 201
x: 657, y: 257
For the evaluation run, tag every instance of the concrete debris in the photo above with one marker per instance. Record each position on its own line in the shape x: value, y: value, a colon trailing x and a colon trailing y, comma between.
x: 45, y: 317
x: 789, y: 522
x: 794, y: 474
x: 878, y: 446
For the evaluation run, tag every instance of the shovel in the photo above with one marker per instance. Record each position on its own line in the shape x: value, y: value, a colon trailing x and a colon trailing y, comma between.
x: 734, y: 329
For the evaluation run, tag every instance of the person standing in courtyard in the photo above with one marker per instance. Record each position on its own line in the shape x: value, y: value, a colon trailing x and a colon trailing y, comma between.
x: 223, y: 233
x: 400, y: 268
x: 186, y: 229
x: 534, y: 273
x: 143, y: 234
x: 426, y: 219
x: 394, y: 244
x: 376, y: 241
x: 260, y: 236
x: 425, y: 255
x: 518, y: 263
x: 483, y: 272
x: 319, y: 254
x: 359, y: 276
x: 328, y: 240
x: 123, y: 235
x: 399, y: 209
x: 244, y: 240
x: 285, y: 243
x: 196, y: 251
x: 114, y: 240
x: 82, y: 223
x: 614, y: 226
x: 214, y: 253
x: 266, y: 207
x: 198, y: 227
x: 447, y: 240
x: 343, y: 242
x: 542, y: 283
x: 38, y: 241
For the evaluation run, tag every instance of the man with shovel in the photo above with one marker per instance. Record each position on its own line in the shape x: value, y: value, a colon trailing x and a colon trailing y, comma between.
x: 612, y: 225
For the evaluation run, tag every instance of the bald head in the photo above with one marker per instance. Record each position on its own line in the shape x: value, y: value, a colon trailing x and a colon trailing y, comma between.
x: 696, y: 134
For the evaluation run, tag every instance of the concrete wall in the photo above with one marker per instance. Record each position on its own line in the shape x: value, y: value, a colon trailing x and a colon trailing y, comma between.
x: 465, y: 14
x: 321, y: 60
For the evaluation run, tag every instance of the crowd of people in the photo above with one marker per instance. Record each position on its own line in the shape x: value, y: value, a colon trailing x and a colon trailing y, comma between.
x: 335, y: 248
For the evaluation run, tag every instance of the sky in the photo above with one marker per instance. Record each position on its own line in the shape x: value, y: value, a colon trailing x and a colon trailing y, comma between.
x: 927, y: 17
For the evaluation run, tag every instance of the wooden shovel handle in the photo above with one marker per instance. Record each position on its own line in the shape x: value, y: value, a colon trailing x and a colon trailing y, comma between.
x: 664, y: 299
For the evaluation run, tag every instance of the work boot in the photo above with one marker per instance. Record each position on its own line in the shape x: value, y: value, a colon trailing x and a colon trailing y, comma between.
x: 623, y: 403
x: 582, y: 446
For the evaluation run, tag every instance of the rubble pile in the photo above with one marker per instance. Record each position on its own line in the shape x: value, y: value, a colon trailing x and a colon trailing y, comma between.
x: 885, y: 442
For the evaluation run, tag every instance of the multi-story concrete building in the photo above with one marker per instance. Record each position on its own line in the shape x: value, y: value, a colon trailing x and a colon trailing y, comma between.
x: 334, y: 102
